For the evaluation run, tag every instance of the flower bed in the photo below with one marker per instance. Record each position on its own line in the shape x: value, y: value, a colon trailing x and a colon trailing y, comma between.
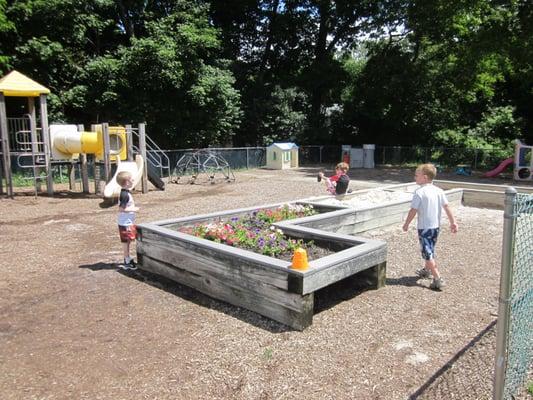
x: 255, y: 232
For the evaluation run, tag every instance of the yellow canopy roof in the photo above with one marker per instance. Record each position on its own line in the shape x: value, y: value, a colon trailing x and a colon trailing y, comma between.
x: 19, y: 85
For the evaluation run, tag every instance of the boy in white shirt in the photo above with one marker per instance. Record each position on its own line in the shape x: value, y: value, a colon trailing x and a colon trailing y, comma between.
x: 428, y: 202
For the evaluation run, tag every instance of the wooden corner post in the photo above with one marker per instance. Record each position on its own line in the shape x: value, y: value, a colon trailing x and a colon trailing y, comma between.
x: 47, y: 145
x: 83, y: 167
x: 142, y: 148
x: 6, y: 157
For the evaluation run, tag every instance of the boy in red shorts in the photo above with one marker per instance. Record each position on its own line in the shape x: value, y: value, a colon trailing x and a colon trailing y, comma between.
x: 126, y: 217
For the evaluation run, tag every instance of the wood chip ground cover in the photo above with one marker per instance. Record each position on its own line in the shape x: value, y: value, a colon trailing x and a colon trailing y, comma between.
x: 72, y: 326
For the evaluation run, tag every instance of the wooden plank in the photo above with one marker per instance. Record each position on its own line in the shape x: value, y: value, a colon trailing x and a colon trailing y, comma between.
x: 334, y: 219
x: 201, y: 218
x: 212, y: 287
x: 129, y: 143
x: 243, y: 276
x: 107, y: 155
x: 218, y: 262
x: 43, y: 110
x: 480, y: 186
x: 374, y: 277
x: 343, y: 269
x: 1, y: 173
x: 83, y: 167
x: 71, y: 171
x: 208, y: 246
x: 484, y: 199
x: 6, y: 158
x: 98, y: 189
x: 378, y: 223
x: 142, y: 149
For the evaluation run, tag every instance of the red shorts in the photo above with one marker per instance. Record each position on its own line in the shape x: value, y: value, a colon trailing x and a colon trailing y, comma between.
x: 127, y: 233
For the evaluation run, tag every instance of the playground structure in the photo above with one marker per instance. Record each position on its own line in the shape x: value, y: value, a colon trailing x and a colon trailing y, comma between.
x: 523, y: 159
x: 522, y: 163
x: 32, y: 144
x: 202, y: 166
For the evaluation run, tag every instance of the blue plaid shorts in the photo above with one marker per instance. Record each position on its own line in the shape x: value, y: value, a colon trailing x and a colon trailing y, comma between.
x: 428, y: 239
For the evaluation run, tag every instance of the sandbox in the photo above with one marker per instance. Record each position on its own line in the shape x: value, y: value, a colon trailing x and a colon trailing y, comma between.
x: 368, y: 209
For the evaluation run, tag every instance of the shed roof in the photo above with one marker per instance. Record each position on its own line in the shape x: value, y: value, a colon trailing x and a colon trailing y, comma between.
x: 19, y: 85
x: 284, y: 146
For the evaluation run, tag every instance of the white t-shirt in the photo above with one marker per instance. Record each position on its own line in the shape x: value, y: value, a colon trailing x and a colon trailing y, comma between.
x: 126, y: 218
x: 428, y: 200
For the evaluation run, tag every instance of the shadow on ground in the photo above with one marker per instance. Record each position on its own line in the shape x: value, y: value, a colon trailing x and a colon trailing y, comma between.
x: 194, y: 296
x: 325, y: 298
x: 468, y: 375
x: 409, y: 281
x: 101, y: 266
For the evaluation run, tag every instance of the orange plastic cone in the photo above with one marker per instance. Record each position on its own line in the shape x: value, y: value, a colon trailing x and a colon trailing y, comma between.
x: 299, y: 260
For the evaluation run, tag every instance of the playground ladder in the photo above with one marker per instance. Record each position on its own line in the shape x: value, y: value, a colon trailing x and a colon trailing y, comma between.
x: 34, y: 150
x: 26, y: 145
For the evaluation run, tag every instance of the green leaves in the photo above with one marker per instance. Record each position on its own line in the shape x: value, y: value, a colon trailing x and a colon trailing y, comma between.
x: 252, y: 72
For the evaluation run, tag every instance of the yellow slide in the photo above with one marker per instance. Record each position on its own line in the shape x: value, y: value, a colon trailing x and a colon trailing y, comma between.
x: 135, y: 168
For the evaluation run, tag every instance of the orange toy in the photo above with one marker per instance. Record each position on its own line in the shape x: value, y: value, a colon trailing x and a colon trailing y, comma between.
x: 299, y: 260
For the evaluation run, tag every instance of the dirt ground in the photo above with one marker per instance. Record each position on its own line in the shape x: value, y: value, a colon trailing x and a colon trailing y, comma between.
x: 73, y: 326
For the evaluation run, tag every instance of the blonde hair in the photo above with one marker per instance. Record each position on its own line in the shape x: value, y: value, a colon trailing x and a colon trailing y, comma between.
x: 122, y: 177
x: 342, y: 166
x: 427, y: 169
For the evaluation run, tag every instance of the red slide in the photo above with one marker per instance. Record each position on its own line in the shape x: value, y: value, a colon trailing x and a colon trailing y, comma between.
x: 499, y: 168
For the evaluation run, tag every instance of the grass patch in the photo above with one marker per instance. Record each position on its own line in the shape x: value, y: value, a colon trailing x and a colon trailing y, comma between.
x: 27, y: 180
x: 268, y: 353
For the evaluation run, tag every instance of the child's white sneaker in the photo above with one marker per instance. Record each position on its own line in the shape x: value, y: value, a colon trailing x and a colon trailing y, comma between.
x: 129, y: 265
x: 437, y: 284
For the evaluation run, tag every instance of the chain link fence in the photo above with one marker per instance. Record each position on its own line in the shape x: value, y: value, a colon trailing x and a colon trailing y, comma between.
x: 514, y: 352
x: 498, y: 363
x: 236, y: 157
x: 476, y: 159
x: 255, y: 157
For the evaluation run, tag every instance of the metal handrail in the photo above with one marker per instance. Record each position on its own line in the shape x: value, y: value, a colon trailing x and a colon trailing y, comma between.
x: 154, y: 154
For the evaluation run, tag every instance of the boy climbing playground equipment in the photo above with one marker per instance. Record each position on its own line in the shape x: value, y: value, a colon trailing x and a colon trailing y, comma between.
x: 28, y: 142
x: 202, y: 166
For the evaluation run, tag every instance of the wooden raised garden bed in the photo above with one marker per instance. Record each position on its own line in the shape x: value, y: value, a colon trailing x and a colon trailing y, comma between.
x: 259, y: 283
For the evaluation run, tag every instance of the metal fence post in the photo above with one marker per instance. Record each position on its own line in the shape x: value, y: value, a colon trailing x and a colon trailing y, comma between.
x: 506, y: 276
